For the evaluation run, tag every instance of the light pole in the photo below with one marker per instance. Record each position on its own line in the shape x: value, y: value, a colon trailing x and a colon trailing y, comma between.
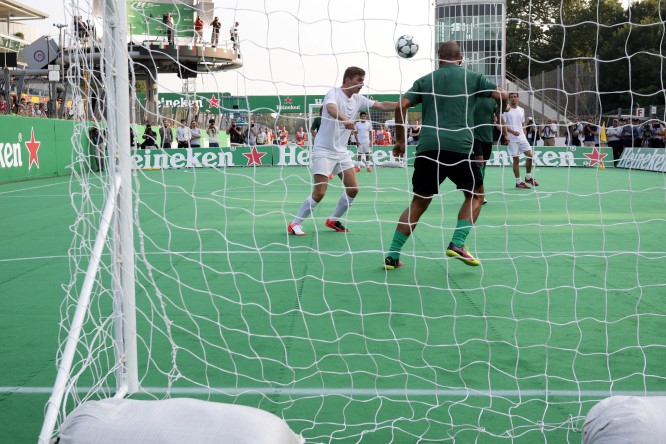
x: 60, y: 27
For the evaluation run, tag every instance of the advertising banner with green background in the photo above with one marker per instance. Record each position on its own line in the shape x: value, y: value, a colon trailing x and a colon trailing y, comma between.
x: 32, y: 148
x: 146, y: 18
x: 219, y: 102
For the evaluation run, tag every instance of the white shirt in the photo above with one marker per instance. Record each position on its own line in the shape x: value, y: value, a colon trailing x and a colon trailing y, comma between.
x: 363, y: 128
x: 183, y: 134
x: 514, y: 119
x: 552, y: 130
x: 332, y: 136
x: 212, y: 135
x: 195, y: 137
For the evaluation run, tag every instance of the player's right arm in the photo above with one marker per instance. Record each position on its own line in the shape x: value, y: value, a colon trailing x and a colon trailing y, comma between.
x: 400, y: 113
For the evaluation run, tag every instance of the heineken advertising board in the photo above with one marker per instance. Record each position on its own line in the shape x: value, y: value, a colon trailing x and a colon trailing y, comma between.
x: 216, y: 102
x: 649, y: 159
x: 293, y: 155
x: 146, y: 18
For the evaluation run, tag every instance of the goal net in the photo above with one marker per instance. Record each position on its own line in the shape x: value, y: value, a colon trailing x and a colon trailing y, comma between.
x: 185, y: 283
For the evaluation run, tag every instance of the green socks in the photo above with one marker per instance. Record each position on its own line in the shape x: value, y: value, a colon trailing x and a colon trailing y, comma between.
x: 399, y: 240
x: 462, y: 230
x: 483, y: 171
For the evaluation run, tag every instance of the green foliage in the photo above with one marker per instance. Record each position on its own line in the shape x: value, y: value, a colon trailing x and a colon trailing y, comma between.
x: 628, y: 45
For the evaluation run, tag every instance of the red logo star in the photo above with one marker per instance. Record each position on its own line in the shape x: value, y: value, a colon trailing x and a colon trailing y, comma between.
x: 287, y: 101
x: 214, y: 102
x: 596, y: 158
x: 33, y: 147
x: 254, y: 157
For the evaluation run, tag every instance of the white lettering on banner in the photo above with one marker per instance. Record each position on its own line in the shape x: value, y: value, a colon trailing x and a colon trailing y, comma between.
x: 226, y: 159
x: 10, y: 155
x: 378, y: 157
x: 178, y: 103
x: 177, y: 160
x: 188, y: 159
x: 650, y: 159
x: 540, y: 158
x: 289, y: 157
x: 208, y: 160
x: 549, y: 157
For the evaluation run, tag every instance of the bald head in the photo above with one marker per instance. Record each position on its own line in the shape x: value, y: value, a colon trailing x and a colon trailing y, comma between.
x: 449, y: 52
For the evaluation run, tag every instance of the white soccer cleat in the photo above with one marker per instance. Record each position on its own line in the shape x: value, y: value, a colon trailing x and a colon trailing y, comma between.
x: 295, y: 229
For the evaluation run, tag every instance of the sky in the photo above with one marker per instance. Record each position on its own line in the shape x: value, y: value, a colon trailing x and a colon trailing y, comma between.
x: 303, y: 46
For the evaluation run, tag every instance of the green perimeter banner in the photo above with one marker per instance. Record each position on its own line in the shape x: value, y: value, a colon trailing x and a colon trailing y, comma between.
x: 32, y: 148
x: 554, y: 156
x: 146, y: 18
x: 263, y: 155
x: 216, y: 102
x: 293, y: 155
x: 647, y: 159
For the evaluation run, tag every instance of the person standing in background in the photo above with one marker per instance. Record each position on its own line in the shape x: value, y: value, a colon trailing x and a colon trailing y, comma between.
x: 215, y: 36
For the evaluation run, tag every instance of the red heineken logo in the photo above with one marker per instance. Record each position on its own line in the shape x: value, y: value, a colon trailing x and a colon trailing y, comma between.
x: 287, y: 101
x: 254, y: 157
x: 596, y: 158
x: 33, y: 147
x: 213, y: 102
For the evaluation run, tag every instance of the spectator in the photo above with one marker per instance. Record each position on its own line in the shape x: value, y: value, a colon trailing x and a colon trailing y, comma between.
x: 170, y: 28
x: 252, y: 135
x: 166, y: 134
x: 262, y: 137
x: 549, y: 133
x: 301, y: 137
x: 198, y: 30
x: 638, y: 133
x: 215, y: 37
x: 235, y: 134
x: 233, y: 36
x: 627, y: 134
x: 36, y: 111
x: 574, y: 131
x: 3, y: 105
x: 614, y: 138
x: 98, y: 145
x: 149, y: 137
x: 132, y: 139
x: 284, y: 136
x: 532, y: 132
x: 380, y: 137
x: 195, y: 135
x: 590, y: 130
x: 213, y: 141
x: 657, y: 135
x: 15, y: 105
x: 271, y: 137
x: 183, y: 135
x: 414, y: 133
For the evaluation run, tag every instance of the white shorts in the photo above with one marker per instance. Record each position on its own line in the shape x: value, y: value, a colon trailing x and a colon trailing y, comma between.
x: 324, y: 166
x: 364, y: 148
x: 517, y: 147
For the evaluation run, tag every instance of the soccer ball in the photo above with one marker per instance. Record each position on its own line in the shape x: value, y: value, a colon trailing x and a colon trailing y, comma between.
x: 406, y: 46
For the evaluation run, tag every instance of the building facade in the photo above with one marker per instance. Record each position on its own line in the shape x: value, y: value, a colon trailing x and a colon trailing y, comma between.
x: 479, y: 29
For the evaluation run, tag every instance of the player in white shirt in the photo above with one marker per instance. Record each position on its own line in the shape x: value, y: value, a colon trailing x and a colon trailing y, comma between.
x: 329, y: 154
x: 363, y: 131
x: 514, y: 121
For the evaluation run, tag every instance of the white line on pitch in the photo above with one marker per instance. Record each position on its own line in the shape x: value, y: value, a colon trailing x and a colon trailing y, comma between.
x: 365, y: 392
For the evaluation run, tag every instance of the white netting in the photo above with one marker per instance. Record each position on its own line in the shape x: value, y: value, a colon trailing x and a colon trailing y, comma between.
x: 565, y: 309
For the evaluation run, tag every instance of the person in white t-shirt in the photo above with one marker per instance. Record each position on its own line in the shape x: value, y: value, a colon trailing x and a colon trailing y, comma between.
x: 514, y: 126
x: 363, y: 131
x: 329, y: 154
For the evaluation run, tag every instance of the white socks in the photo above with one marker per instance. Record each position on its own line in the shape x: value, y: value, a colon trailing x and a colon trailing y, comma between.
x: 305, y: 210
x: 343, y: 205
